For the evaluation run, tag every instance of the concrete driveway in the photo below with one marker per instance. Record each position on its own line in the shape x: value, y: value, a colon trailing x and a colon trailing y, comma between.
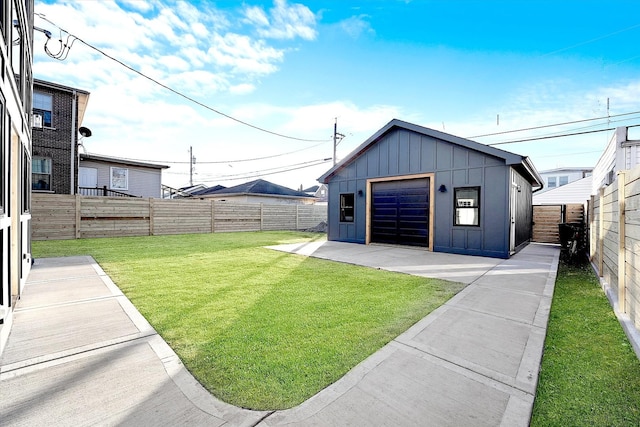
x: 402, y: 259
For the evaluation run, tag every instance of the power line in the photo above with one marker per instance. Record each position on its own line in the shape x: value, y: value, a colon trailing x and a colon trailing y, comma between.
x: 590, y: 41
x: 170, y: 89
x: 264, y: 172
x: 173, y: 162
x: 554, y: 125
x: 556, y: 136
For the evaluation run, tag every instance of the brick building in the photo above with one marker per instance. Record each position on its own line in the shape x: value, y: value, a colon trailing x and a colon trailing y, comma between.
x: 57, y: 115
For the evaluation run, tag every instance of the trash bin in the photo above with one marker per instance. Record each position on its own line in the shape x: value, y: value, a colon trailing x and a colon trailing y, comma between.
x: 566, y: 232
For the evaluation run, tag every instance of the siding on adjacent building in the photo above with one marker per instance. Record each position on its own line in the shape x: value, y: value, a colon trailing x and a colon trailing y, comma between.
x: 142, y: 181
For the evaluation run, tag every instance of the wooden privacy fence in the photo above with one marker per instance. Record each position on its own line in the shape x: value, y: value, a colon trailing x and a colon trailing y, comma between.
x: 615, y: 240
x: 547, y: 217
x: 74, y: 217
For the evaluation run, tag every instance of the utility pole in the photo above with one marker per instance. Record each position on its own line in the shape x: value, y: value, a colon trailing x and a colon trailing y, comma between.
x: 337, y: 137
x: 192, y: 161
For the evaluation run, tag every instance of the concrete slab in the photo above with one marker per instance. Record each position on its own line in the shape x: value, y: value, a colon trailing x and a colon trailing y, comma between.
x: 416, y: 261
x: 59, y: 291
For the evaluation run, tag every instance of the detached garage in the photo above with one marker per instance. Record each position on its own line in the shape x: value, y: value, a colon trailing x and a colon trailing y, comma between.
x: 411, y: 185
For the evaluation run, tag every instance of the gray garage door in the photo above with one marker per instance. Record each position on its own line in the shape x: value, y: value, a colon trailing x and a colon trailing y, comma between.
x: 400, y: 212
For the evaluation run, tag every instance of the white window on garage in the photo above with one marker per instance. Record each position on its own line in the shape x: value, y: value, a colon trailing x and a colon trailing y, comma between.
x: 467, y: 206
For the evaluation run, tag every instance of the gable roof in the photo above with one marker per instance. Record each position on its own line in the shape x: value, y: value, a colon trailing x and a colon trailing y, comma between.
x: 521, y: 163
x: 259, y: 187
x: 116, y: 160
x: 208, y: 190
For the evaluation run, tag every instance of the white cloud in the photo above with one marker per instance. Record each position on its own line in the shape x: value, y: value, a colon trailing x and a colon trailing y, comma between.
x: 140, y: 5
x: 287, y: 21
x: 170, y: 43
x: 242, y: 89
x: 356, y: 26
x: 174, y: 63
x: 243, y: 55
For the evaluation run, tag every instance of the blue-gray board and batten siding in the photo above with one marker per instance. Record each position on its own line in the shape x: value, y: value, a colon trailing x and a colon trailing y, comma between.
x: 402, y: 157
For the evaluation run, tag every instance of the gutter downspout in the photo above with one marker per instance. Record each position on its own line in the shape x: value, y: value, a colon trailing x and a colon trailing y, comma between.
x: 73, y: 140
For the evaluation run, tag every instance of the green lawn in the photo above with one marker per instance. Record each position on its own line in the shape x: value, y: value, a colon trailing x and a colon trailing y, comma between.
x: 590, y: 375
x: 259, y: 328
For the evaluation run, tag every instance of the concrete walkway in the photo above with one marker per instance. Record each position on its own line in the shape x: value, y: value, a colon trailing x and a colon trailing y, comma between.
x: 80, y: 354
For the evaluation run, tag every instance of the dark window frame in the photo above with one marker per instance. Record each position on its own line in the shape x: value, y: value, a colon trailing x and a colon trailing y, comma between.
x: 461, y: 205
x: 47, y: 115
x: 35, y: 176
x: 347, y: 207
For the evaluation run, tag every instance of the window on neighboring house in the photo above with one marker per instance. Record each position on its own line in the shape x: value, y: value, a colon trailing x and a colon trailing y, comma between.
x: 346, y: 207
x: 42, y: 108
x: 563, y: 180
x: 467, y: 206
x: 551, y: 182
x: 119, y: 179
x: 41, y: 173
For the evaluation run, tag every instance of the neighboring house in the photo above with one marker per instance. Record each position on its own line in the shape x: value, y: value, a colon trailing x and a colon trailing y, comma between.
x: 178, y: 193
x: 207, y: 190
x: 16, y: 60
x: 412, y: 185
x: 320, y: 192
x: 259, y: 191
x: 57, y: 116
x: 576, y: 192
x: 555, y: 178
x: 621, y: 153
x: 110, y: 176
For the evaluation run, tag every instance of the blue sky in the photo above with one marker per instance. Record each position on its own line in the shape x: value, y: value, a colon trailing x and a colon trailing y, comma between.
x: 468, y: 68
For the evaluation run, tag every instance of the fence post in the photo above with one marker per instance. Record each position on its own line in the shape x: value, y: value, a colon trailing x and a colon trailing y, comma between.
x: 601, y: 234
x: 213, y: 216
x: 592, y: 221
x: 78, y: 216
x: 261, y: 215
x: 297, y: 217
x: 151, y: 214
x: 622, y: 282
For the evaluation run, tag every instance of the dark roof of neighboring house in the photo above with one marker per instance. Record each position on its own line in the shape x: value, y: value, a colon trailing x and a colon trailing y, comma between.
x: 259, y: 186
x: 58, y: 86
x: 521, y: 163
x: 312, y: 189
x: 115, y: 160
x: 208, y: 190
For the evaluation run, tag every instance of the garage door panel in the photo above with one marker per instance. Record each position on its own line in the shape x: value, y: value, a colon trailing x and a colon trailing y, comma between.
x: 400, y: 212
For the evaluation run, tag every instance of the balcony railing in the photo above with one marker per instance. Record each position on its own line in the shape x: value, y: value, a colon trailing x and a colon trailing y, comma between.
x: 102, y: 191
